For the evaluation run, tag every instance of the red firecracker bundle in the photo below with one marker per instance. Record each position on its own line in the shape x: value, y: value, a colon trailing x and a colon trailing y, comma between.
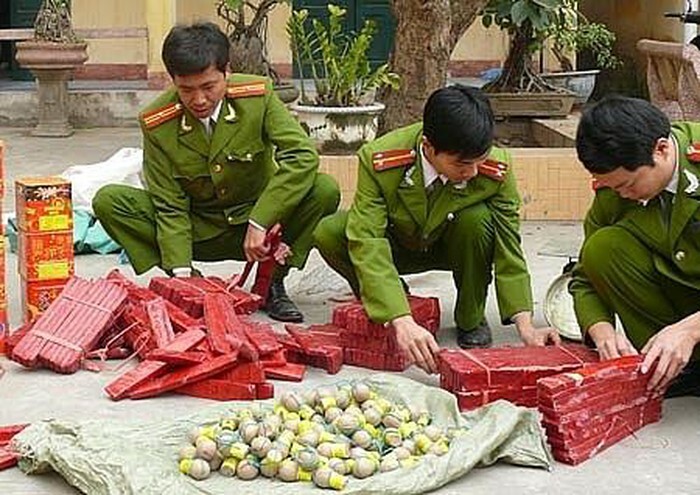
x: 188, y: 294
x: 318, y: 346
x: 8, y: 457
x: 587, y: 410
x: 480, y: 376
x: 71, y: 326
x: 372, y: 345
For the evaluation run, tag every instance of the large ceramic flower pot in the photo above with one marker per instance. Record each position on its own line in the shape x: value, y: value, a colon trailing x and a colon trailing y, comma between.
x: 52, y: 65
x: 338, y: 130
x: 581, y: 82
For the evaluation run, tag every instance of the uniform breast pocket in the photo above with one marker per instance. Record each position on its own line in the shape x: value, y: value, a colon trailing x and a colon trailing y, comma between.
x: 199, y: 188
x: 244, y: 153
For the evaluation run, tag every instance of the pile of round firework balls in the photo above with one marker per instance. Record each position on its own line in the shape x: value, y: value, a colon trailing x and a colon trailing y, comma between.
x: 324, y: 435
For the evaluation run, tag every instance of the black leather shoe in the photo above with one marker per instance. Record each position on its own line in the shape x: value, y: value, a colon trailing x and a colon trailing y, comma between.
x: 279, y: 307
x: 476, y: 337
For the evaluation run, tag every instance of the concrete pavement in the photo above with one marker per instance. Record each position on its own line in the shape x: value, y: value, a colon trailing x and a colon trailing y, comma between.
x: 662, y: 458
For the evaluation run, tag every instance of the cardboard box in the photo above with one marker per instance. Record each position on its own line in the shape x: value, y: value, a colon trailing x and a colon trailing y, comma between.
x: 43, y: 204
x: 37, y: 296
x: 46, y: 256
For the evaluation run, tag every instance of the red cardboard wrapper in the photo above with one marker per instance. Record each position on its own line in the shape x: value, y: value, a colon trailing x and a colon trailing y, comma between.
x: 43, y: 204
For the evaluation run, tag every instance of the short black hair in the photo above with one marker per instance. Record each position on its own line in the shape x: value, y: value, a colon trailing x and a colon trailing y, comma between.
x: 459, y: 120
x: 619, y: 131
x: 191, y: 49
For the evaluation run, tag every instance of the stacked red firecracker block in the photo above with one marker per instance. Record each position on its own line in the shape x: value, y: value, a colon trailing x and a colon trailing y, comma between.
x: 45, y: 223
x: 587, y: 410
x: 211, y: 349
x: 352, y: 338
x: 8, y: 457
x: 4, y: 329
x: 479, y: 376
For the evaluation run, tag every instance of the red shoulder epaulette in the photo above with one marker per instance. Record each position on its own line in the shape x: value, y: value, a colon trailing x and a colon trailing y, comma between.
x: 384, y: 160
x: 693, y: 152
x: 156, y: 117
x: 246, y: 89
x: 494, y: 169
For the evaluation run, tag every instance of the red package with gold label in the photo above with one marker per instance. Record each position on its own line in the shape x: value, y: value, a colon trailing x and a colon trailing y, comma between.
x: 4, y: 328
x: 45, y: 256
x: 43, y: 204
x: 37, y: 296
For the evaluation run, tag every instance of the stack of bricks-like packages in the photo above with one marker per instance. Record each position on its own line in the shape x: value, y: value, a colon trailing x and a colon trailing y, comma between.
x: 479, y: 376
x: 587, y: 410
x: 45, y: 259
x: 4, y: 329
x: 352, y: 338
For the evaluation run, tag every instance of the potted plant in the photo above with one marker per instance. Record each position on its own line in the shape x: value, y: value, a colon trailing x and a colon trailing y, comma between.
x: 573, y: 33
x: 51, y: 56
x: 342, y: 115
x: 520, y: 90
x: 246, y: 28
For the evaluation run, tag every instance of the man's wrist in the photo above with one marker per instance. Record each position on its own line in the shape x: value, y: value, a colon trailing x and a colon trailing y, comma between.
x: 256, y: 225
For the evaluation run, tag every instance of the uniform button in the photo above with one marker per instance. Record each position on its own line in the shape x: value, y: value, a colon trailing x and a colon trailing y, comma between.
x: 450, y: 216
x: 229, y: 158
x: 222, y: 191
x: 230, y: 219
x: 680, y: 255
x: 248, y: 156
x: 218, y: 168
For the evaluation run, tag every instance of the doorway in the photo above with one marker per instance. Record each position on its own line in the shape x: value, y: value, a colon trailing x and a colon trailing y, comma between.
x: 15, y: 14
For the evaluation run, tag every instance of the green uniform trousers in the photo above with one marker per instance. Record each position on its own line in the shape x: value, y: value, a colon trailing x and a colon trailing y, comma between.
x: 621, y: 269
x: 128, y: 216
x: 465, y: 248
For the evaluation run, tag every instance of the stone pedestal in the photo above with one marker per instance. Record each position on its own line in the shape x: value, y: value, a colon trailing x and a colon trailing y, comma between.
x: 52, y: 64
x: 52, y: 90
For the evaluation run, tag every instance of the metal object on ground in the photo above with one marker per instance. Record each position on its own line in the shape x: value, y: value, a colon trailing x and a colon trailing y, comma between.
x: 559, y: 308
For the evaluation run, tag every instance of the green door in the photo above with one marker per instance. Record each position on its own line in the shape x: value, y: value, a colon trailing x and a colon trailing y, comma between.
x: 358, y: 11
x: 22, y: 15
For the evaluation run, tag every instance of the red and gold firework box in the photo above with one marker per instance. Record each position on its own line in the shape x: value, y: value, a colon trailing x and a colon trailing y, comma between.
x: 46, y: 256
x: 43, y: 204
x: 37, y: 296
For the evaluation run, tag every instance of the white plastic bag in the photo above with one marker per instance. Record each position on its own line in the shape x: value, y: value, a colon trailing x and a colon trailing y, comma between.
x: 123, y: 167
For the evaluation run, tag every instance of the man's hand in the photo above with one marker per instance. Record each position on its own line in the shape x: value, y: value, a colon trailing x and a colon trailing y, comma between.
x: 610, y: 344
x: 532, y: 336
x: 255, y: 246
x: 672, y: 347
x: 416, y: 342
x: 540, y: 336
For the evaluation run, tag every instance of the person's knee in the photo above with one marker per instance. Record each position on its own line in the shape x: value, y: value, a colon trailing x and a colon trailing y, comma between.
x: 326, y: 193
x: 476, y: 222
x: 104, y: 200
x: 329, y: 232
x: 606, y: 248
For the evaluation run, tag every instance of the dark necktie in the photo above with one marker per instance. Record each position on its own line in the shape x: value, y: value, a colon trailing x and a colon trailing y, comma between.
x: 212, y: 125
x: 666, y: 206
x: 433, y: 192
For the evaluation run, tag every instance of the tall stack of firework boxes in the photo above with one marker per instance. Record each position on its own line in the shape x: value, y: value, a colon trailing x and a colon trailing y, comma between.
x: 45, y: 232
x: 3, y: 293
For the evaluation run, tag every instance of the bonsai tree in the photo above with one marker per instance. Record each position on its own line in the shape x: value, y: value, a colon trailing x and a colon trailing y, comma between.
x: 532, y: 22
x: 246, y: 28
x: 573, y: 33
x: 337, y: 62
x: 53, y: 22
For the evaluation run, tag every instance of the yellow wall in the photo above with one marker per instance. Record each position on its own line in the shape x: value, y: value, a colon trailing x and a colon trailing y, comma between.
x: 113, y: 14
x: 479, y: 43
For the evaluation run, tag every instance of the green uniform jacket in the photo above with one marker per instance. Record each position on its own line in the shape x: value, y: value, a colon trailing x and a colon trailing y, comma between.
x: 675, y: 249
x: 393, y: 202
x: 258, y: 165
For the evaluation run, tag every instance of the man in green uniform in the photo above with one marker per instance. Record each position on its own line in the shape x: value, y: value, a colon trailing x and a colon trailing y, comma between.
x: 435, y: 195
x: 642, y: 236
x: 224, y: 161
